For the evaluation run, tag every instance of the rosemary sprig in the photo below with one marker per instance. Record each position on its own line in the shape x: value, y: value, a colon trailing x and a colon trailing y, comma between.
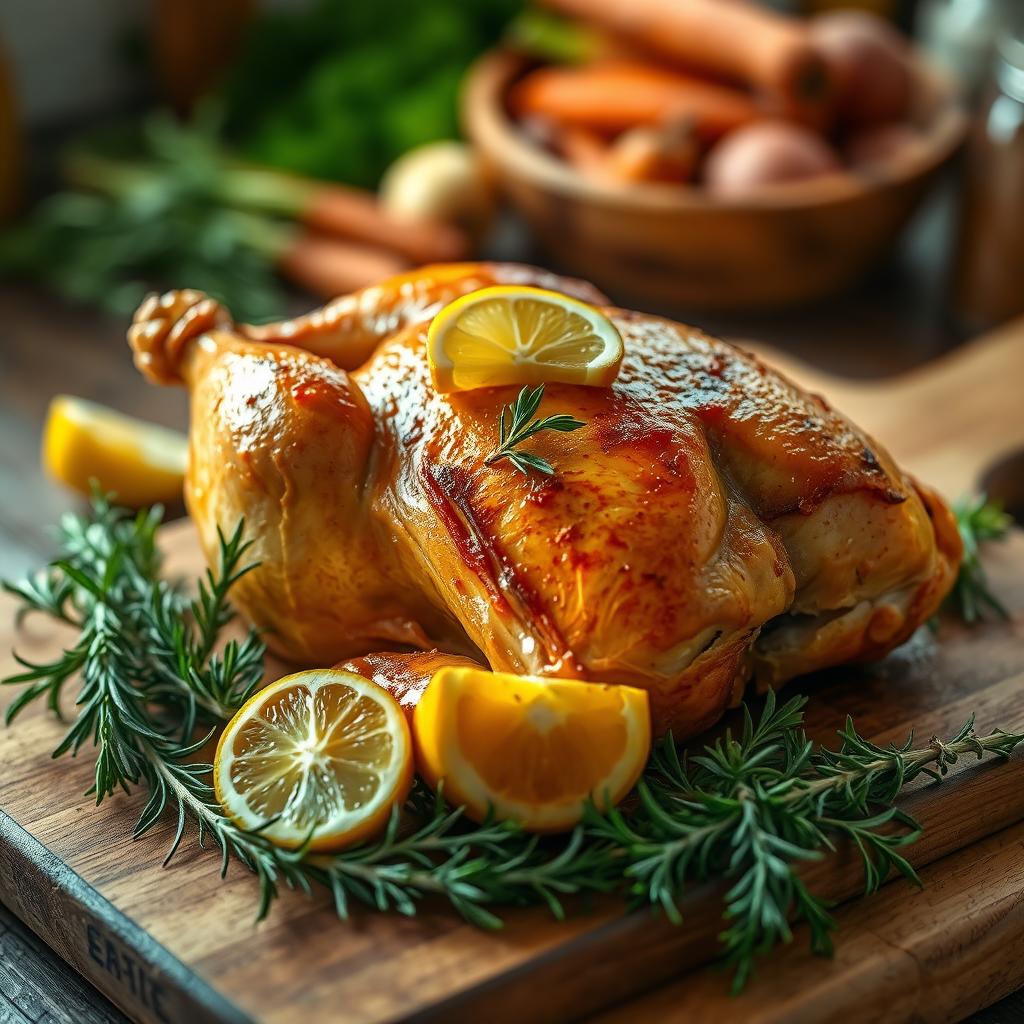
x: 522, y: 426
x: 141, y: 643
x: 149, y: 672
x: 979, y: 521
x: 474, y: 867
x: 748, y: 810
x: 751, y: 810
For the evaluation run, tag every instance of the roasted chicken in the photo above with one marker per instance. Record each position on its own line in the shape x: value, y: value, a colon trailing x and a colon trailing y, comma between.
x: 710, y: 523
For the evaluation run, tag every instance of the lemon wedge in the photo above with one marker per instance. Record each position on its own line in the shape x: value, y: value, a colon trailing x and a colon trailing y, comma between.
x: 140, y: 462
x: 322, y: 755
x: 514, y: 334
x: 530, y: 749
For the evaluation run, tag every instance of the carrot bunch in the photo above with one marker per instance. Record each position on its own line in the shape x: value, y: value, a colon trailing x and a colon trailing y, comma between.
x: 666, y: 90
x: 328, y: 238
x: 340, y: 238
x: 164, y: 203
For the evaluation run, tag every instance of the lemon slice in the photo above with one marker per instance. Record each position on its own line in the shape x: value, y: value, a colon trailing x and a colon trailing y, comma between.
x: 141, y: 462
x: 512, y: 334
x: 529, y: 749
x: 322, y: 755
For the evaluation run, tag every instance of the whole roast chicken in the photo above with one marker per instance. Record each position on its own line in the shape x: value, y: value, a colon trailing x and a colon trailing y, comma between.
x: 710, y: 523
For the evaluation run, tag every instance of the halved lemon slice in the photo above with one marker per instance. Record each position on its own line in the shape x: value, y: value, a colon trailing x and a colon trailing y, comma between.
x: 530, y: 749
x: 323, y: 755
x: 513, y: 334
x: 141, y: 462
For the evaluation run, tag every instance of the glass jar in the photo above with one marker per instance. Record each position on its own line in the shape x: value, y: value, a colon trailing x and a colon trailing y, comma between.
x: 960, y: 37
x: 989, y: 285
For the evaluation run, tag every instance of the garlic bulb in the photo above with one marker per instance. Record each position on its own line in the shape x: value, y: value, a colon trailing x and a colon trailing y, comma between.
x: 440, y: 181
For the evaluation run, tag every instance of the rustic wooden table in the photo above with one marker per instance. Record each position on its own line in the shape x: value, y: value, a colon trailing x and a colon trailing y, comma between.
x: 892, y: 322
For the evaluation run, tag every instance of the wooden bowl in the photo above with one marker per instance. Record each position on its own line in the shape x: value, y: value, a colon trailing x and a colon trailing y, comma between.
x: 675, y: 244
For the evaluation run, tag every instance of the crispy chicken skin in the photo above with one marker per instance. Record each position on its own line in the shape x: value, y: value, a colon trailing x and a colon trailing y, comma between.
x: 711, y: 522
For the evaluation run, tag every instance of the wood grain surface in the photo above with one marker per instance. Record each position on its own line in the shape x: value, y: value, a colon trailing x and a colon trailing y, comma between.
x: 302, y: 964
x: 36, y: 987
x: 49, y: 348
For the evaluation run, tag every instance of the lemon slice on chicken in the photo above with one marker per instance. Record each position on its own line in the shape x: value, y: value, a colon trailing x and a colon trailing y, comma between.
x: 530, y: 749
x: 322, y: 755
x: 513, y: 334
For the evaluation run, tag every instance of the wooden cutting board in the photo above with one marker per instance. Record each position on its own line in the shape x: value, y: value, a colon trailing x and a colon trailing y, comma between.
x: 178, y: 944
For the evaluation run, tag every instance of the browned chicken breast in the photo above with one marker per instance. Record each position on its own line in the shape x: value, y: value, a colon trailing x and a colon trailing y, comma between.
x: 711, y: 521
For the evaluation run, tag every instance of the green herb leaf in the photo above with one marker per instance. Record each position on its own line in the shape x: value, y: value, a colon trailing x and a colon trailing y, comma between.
x: 338, y: 90
x: 549, y: 38
x: 979, y: 521
x: 522, y: 426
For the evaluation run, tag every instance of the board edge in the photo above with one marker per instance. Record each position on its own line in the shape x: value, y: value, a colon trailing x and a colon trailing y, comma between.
x: 103, y: 944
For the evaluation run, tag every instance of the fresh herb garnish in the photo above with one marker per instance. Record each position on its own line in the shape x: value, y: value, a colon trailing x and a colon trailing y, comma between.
x: 521, y: 426
x: 148, y: 672
x: 125, y: 224
x: 749, y: 810
x: 979, y: 520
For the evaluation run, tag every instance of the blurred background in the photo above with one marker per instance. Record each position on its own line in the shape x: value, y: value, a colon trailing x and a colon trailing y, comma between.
x: 841, y: 180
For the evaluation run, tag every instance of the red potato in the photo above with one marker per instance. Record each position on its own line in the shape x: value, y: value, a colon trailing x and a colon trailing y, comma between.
x: 870, y: 62
x: 883, y: 144
x: 766, y: 153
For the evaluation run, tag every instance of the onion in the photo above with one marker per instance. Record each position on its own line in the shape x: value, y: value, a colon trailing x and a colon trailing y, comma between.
x: 440, y: 181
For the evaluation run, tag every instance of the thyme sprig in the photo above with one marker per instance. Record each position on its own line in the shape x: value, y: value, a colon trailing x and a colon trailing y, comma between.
x: 749, y: 810
x: 979, y: 520
x: 522, y: 426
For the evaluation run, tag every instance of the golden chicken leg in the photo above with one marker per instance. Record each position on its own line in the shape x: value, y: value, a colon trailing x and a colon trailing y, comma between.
x: 710, y: 521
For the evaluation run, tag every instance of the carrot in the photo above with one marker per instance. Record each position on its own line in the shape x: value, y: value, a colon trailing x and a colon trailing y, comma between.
x: 352, y: 213
x: 667, y: 153
x: 339, y: 210
x: 586, y: 150
x: 329, y: 267
x: 730, y: 39
x: 614, y: 96
x: 647, y: 153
